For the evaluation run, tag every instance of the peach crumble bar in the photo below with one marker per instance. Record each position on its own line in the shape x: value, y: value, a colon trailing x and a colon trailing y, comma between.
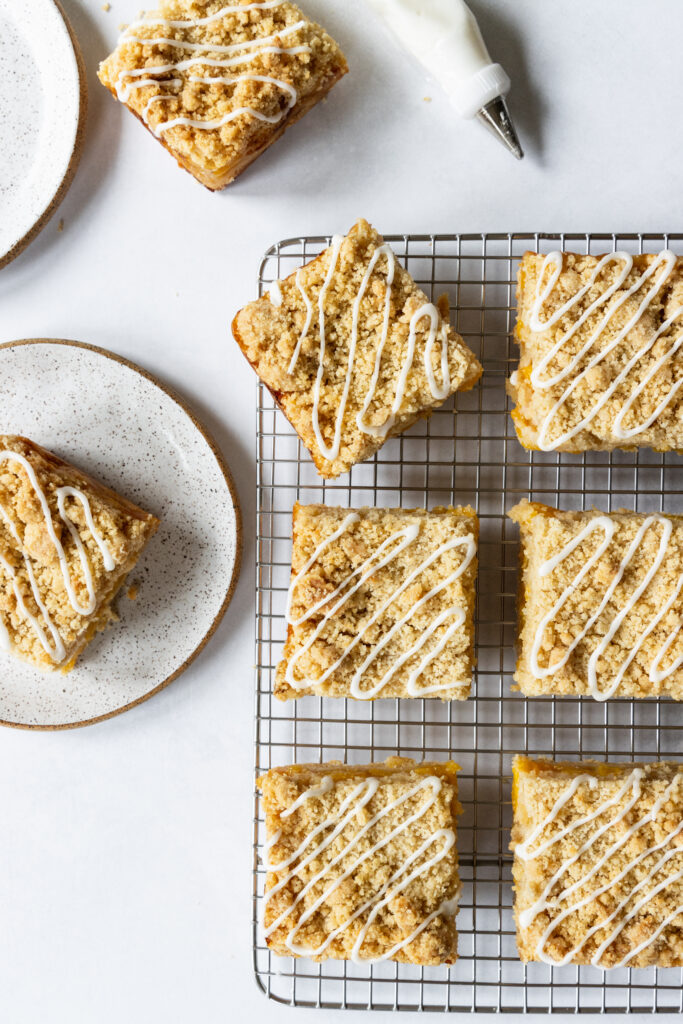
x: 600, y: 603
x: 67, y: 544
x: 601, y: 364
x: 352, y: 350
x: 381, y: 603
x: 217, y: 83
x: 598, y: 863
x: 362, y: 861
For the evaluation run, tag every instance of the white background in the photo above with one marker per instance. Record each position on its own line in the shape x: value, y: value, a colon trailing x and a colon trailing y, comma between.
x: 125, y: 848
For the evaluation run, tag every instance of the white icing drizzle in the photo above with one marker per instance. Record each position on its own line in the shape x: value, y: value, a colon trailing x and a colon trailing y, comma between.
x: 659, y: 270
x: 656, y: 675
x: 391, y: 271
x: 235, y: 54
x: 315, y: 791
x: 54, y: 650
x: 73, y: 492
x: 437, y: 330
x: 345, y: 524
x: 556, y: 902
x: 608, y: 526
x: 385, y: 553
x: 209, y: 47
x: 275, y: 293
x: 311, y: 847
x: 307, y: 322
x: 333, y: 451
x: 210, y: 19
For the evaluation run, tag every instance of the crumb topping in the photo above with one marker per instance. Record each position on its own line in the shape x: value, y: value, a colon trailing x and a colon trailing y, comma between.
x: 602, y: 603
x: 381, y: 604
x: 362, y: 862
x: 598, y: 864
x: 601, y: 356
x: 66, y: 544
x: 353, y: 350
x: 213, y: 80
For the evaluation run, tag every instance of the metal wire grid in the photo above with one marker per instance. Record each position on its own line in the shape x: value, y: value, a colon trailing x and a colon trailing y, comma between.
x: 475, y: 458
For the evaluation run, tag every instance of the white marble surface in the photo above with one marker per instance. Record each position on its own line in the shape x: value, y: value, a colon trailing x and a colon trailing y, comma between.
x: 125, y: 847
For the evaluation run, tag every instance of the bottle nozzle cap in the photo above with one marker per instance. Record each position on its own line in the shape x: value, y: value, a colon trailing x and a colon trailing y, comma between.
x: 479, y: 89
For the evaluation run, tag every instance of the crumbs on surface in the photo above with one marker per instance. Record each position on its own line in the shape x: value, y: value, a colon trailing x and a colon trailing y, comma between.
x: 60, y: 226
x: 133, y: 591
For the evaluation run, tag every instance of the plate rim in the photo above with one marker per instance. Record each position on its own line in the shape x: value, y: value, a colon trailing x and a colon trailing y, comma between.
x: 76, y: 153
x: 239, y: 535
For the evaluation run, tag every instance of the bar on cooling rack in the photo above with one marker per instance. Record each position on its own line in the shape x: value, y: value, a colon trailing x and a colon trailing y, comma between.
x: 380, y: 604
x: 600, y: 603
x: 218, y: 83
x: 601, y: 357
x: 352, y: 350
x: 362, y: 861
x: 598, y: 868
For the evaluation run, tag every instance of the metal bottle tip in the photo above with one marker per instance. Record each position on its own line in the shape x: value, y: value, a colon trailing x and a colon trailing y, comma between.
x: 496, y: 117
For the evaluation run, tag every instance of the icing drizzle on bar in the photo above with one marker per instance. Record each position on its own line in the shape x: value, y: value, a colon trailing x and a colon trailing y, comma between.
x: 54, y: 648
x: 341, y: 830
x: 206, y: 58
x: 383, y: 555
x: 438, y: 331
x: 608, y: 528
x: 562, y: 897
x: 595, y: 350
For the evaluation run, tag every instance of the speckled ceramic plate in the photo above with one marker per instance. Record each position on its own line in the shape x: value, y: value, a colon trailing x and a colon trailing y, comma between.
x: 42, y: 111
x: 118, y: 423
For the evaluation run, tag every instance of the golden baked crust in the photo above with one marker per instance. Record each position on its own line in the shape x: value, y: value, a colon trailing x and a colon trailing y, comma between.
x: 601, y: 361
x: 369, y: 315
x: 58, y: 576
x: 238, y: 96
x: 598, y: 869
x: 600, y: 604
x: 362, y: 861
x: 381, y: 603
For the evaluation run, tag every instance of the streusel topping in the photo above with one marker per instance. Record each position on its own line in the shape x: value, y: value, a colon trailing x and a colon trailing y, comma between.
x: 599, y: 863
x: 601, y: 360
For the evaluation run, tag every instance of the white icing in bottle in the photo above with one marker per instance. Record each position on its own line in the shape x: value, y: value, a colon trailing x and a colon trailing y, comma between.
x: 444, y: 37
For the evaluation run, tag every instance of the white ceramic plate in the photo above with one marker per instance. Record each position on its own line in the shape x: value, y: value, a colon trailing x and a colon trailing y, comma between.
x: 42, y: 108
x: 113, y: 420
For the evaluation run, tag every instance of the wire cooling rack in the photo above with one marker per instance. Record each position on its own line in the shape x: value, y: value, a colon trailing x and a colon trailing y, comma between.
x: 475, y: 458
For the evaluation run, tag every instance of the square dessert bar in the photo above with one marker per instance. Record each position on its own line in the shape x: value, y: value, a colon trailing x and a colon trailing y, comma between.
x: 352, y: 350
x: 598, y: 868
x: 66, y: 545
x: 218, y: 82
x: 601, y: 362
x: 362, y: 861
x: 381, y: 603
x: 600, y: 603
